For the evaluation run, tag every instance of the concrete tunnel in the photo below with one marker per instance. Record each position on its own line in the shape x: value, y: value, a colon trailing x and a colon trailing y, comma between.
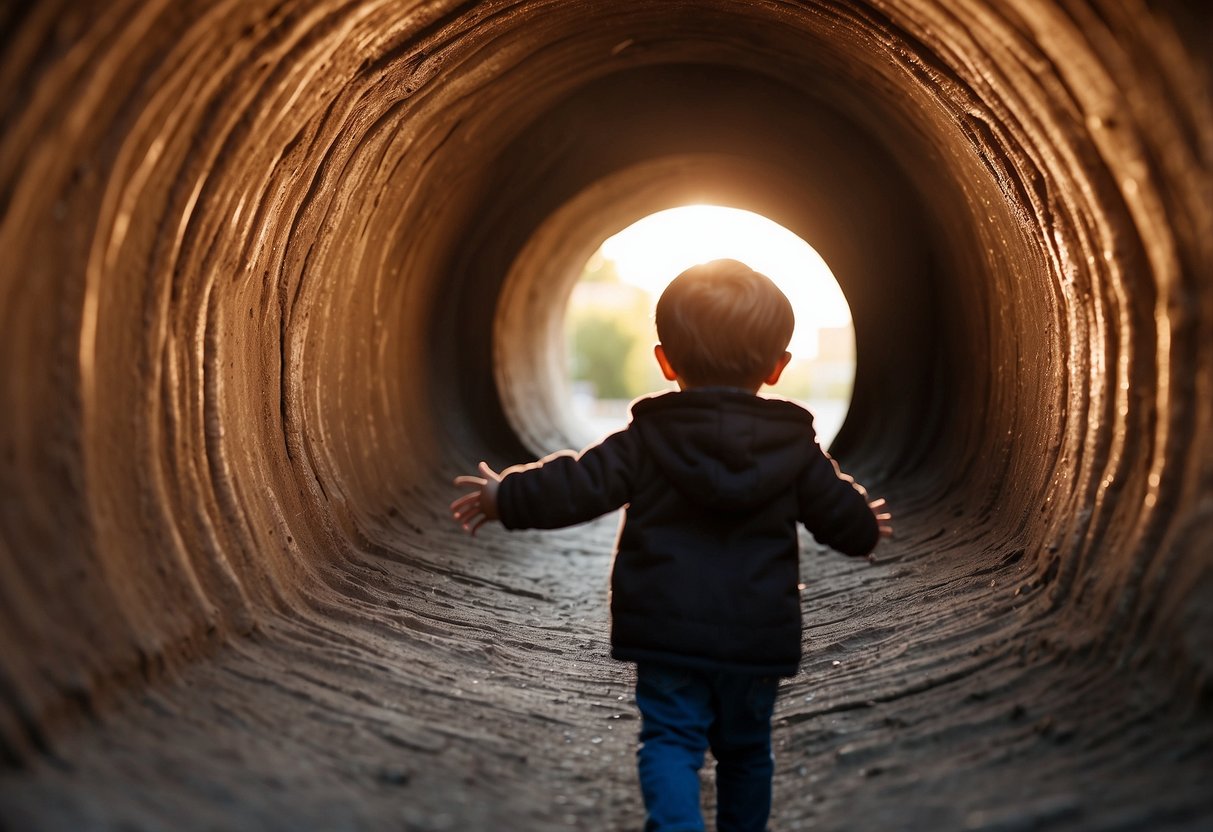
x: 274, y: 272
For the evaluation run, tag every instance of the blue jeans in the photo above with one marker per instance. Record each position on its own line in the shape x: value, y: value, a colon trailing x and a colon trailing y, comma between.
x: 684, y: 713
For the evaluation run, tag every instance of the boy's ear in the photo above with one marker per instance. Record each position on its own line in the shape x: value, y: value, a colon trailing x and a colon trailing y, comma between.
x: 778, y: 371
x: 667, y: 369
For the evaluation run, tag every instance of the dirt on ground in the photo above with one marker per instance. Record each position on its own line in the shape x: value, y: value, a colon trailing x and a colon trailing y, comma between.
x: 470, y: 688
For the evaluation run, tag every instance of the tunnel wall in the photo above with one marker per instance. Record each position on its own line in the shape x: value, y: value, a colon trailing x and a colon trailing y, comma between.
x: 253, y: 254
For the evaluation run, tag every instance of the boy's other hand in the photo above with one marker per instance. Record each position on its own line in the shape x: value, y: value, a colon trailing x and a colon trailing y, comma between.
x: 884, y: 521
x: 474, y: 509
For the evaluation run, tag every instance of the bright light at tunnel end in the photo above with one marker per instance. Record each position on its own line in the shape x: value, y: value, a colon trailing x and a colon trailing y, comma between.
x: 648, y: 254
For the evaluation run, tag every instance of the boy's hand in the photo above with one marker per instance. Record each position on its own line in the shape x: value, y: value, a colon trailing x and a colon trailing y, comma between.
x: 884, y: 521
x: 474, y: 509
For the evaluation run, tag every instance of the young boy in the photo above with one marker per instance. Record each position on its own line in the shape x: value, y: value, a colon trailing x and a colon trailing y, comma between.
x: 704, y: 585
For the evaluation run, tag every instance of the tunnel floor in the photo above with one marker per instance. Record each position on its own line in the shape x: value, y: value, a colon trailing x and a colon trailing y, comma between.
x: 450, y: 689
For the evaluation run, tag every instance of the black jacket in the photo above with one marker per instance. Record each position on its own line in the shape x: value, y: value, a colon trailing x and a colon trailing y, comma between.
x: 706, y: 567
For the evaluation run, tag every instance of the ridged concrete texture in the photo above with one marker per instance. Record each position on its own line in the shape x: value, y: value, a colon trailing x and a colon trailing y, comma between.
x: 271, y: 273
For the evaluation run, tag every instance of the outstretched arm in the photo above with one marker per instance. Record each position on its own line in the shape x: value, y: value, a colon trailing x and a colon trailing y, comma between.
x: 479, y: 506
x: 837, y: 510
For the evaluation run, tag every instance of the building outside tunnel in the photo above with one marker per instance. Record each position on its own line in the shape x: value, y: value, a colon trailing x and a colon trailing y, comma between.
x: 274, y: 272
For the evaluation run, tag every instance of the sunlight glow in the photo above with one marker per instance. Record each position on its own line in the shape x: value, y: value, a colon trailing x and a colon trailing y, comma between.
x: 609, y: 323
x: 652, y: 252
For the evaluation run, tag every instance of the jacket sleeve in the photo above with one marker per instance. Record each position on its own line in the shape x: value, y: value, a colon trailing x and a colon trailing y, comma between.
x: 834, y: 508
x: 565, y: 489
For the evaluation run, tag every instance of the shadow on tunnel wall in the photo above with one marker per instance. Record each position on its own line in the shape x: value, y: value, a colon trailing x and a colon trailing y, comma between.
x: 252, y: 255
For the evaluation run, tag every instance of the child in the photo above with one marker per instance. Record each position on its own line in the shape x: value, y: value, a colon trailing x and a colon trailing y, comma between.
x: 704, y: 585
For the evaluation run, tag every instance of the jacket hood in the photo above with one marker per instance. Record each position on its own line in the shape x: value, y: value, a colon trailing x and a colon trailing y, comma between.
x: 725, y: 449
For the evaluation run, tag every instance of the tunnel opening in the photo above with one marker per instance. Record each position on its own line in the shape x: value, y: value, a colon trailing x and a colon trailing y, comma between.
x: 558, y: 189
x: 605, y: 331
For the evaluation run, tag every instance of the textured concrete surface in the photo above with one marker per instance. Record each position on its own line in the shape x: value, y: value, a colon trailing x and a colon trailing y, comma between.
x: 274, y: 272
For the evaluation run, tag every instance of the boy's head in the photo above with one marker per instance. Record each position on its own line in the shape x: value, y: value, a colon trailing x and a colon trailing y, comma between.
x: 723, y: 324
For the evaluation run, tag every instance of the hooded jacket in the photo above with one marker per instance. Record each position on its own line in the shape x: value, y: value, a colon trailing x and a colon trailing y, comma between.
x: 706, y: 568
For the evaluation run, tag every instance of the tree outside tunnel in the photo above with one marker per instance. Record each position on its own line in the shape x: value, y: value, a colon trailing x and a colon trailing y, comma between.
x: 609, y: 323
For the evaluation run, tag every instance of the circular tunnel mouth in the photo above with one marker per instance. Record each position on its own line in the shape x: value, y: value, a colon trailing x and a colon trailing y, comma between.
x: 559, y: 188
x: 597, y: 349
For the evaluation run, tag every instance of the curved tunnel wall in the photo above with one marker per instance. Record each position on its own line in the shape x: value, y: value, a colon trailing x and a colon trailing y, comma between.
x: 253, y: 254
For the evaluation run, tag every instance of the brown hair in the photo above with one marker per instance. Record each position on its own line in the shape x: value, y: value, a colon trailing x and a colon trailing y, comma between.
x: 722, y: 323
